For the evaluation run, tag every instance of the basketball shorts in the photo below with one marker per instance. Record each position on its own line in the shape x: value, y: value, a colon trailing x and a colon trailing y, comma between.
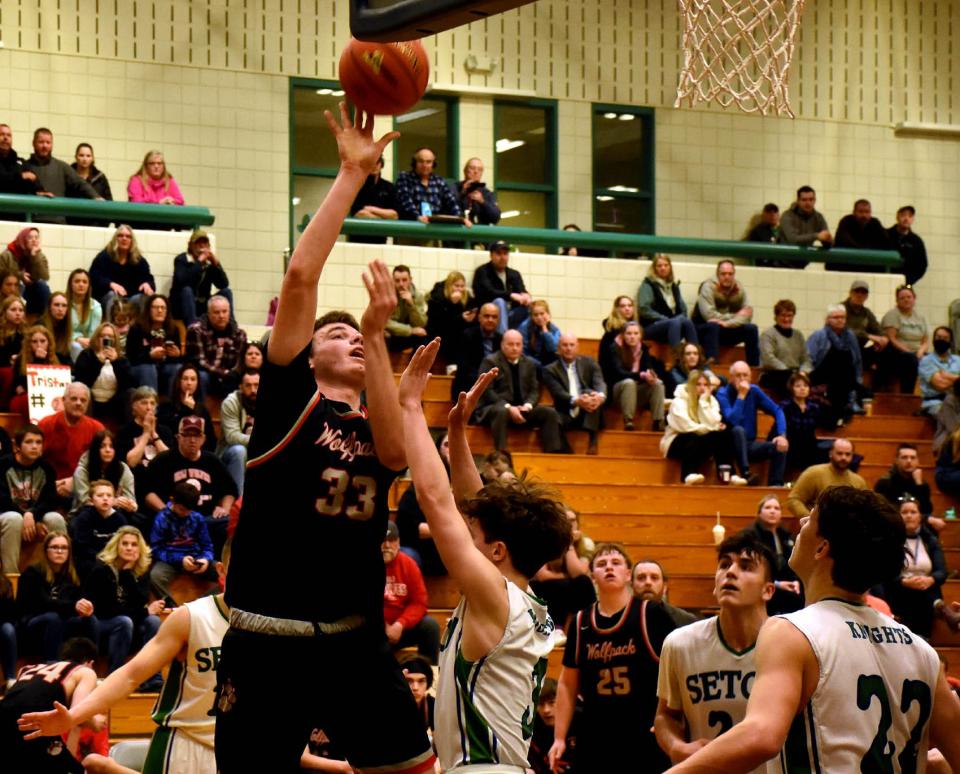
x: 172, y: 751
x: 274, y: 689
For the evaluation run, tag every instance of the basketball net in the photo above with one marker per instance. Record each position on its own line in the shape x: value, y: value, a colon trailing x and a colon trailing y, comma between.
x: 738, y: 52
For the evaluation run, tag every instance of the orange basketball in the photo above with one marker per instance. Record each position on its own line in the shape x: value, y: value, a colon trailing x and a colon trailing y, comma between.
x: 384, y: 78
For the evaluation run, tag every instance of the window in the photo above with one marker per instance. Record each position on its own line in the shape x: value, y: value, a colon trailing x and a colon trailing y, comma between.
x: 431, y: 123
x: 525, y: 170
x: 623, y: 170
x: 314, y: 160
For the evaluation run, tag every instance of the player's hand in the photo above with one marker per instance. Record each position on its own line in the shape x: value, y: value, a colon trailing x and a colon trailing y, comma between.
x: 467, y: 401
x: 555, y: 756
x: 415, y: 376
x: 791, y: 586
x: 355, y: 143
x: 53, y: 723
x: 383, y: 299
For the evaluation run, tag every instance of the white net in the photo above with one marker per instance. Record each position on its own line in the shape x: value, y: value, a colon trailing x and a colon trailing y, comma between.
x: 738, y: 52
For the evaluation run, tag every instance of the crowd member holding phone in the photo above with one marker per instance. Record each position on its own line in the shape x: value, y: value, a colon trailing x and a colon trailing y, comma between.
x: 105, y: 371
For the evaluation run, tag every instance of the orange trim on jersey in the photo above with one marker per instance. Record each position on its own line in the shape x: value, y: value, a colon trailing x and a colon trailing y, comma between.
x: 304, y: 415
x: 646, y: 637
x: 576, y: 650
x: 617, y: 625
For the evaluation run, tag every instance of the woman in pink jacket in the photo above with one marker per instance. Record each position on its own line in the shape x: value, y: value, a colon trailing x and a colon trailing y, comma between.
x: 152, y: 183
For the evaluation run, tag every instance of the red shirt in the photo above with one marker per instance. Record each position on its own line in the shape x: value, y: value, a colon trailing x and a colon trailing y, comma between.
x: 63, y: 444
x: 405, y: 594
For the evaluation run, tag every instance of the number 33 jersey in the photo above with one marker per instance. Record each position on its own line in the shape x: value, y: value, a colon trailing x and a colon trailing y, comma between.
x: 315, y: 510
x: 870, y: 711
x: 706, y: 680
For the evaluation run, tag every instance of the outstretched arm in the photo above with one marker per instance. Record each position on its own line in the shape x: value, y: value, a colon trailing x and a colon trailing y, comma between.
x: 359, y: 153
x: 384, y: 411
x: 481, y: 582
x: 464, y: 476
x: 161, y: 650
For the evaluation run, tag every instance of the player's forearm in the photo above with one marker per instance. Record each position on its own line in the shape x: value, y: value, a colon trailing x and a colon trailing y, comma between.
x: 741, y: 749
x: 116, y: 686
x: 383, y: 404
x: 430, y: 479
x: 566, y: 703
x: 464, y: 476
x: 669, y: 732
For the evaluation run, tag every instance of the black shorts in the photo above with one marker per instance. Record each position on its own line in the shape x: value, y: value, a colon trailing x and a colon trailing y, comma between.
x: 273, y: 690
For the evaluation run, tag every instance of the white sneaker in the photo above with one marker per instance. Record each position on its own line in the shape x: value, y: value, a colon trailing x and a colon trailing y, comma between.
x: 738, y: 480
x: 694, y: 478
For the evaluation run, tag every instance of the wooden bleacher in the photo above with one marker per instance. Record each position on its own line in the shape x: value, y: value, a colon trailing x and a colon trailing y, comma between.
x: 631, y: 494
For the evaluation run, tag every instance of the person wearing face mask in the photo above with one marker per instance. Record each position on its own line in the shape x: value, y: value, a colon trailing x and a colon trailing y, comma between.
x: 938, y: 370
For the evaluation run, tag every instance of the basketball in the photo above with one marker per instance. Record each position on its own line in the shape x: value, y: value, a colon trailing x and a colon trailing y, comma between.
x: 384, y: 78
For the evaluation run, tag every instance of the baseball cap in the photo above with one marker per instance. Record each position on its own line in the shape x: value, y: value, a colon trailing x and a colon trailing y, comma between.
x: 392, y: 532
x: 499, y: 245
x: 191, y: 425
x: 859, y: 285
x: 198, y: 234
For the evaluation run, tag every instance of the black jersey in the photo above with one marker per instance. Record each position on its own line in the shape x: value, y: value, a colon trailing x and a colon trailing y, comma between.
x: 36, y: 689
x: 315, y: 510
x: 618, y: 659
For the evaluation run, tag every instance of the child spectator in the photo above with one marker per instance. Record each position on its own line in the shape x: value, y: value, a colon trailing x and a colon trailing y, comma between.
x: 179, y: 540
x: 12, y: 312
x: 57, y: 320
x: 106, y: 372
x: 9, y: 283
x: 154, y: 345
x: 100, y: 462
x: 122, y: 316
x: 93, y: 526
x: 49, y: 602
x: 119, y: 589
x: 37, y: 349
x: 152, y: 183
x: 28, y: 497
x: 542, y: 739
x: 8, y: 629
x: 186, y: 399
x: 85, y: 311
x: 419, y: 676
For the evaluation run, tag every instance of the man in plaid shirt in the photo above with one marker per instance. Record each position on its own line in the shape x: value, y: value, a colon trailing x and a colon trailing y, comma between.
x: 422, y: 193
x: 214, y: 343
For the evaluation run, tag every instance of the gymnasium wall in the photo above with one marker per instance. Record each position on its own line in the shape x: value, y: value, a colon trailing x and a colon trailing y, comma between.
x: 207, y: 82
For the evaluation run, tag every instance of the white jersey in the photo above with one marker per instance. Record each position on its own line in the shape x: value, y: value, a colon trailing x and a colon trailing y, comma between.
x: 188, y: 693
x: 871, y: 708
x: 705, y: 679
x: 485, y: 709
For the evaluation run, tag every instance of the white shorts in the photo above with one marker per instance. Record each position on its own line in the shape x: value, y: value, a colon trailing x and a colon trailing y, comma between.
x: 174, y: 752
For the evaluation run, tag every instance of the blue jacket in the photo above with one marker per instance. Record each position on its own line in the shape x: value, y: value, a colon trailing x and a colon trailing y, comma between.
x: 739, y: 412
x: 173, y: 538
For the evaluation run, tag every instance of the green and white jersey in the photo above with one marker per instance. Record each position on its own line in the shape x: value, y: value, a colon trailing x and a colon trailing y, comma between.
x: 705, y: 679
x: 485, y: 709
x: 871, y: 708
x: 190, y: 689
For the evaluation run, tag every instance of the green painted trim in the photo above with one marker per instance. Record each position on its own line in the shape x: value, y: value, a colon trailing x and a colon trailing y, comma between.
x: 453, y: 137
x: 633, y: 243
x: 118, y: 212
x: 534, y: 187
x: 313, y: 171
x: 648, y: 153
x: 726, y: 645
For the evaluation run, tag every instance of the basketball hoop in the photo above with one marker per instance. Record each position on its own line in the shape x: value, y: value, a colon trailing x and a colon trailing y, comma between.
x: 738, y: 52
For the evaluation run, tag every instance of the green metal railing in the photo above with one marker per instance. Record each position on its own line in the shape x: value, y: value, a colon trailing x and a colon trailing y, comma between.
x: 875, y: 260
x: 114, y: 212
